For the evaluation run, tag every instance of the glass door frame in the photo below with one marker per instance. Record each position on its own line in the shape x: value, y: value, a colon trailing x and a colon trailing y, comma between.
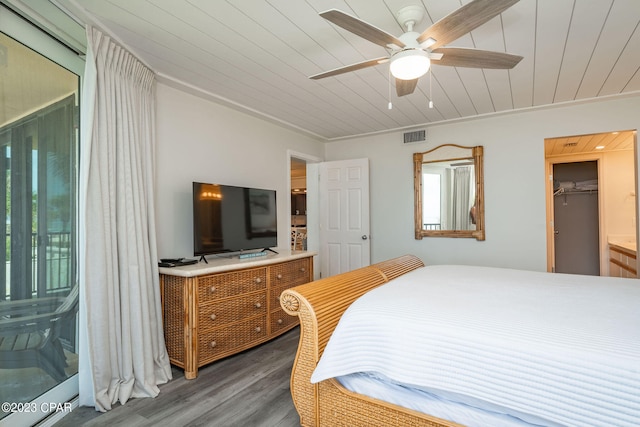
x: 56, y: 400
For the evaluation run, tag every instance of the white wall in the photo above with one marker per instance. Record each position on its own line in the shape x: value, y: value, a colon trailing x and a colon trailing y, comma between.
x: 514, y: 181
x: 620, y: 194
x: 199, y: 140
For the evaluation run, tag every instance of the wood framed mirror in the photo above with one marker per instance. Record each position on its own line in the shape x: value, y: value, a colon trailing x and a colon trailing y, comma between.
x: 449, y: 192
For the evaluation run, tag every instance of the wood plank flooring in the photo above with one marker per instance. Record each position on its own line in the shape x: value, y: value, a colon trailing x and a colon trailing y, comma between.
x: 248, y: 389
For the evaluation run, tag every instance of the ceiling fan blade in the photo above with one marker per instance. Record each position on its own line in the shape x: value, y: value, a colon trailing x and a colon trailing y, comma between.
x: 361, y: 28
x: 405, y: 87
x: 352, y: 67
x: 475, y: 58
x: 463, y: 20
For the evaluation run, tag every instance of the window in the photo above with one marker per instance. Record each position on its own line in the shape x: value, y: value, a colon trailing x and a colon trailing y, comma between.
x: 431, y: 201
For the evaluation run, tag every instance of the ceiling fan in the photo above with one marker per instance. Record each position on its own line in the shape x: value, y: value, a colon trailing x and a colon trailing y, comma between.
x: 412, y: 53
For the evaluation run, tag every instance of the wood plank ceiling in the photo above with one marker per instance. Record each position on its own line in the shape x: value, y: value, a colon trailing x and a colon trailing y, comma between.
x: 579, y: 144
x: 257, y: 55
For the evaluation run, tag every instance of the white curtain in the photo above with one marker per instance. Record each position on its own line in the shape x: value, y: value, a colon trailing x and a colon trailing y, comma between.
x: 123, y: 354
x: 463, y: 198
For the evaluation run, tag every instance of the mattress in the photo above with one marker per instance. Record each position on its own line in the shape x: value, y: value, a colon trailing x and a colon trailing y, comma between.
x: 434, y: 403
x: 544, y: 348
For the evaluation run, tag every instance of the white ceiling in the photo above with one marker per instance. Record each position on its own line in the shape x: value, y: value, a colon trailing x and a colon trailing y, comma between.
x: 257, y: 55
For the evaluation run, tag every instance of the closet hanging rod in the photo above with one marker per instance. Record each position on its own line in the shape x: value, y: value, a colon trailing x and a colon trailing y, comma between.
x: 562, y: 191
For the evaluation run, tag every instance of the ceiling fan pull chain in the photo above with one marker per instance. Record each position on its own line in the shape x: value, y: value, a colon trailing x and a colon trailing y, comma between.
x: 390, y: 106
x: 430, y: 91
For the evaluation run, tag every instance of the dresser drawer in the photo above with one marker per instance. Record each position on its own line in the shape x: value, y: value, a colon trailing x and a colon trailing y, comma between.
x: 224, y: 285
x: 222, y: 342
x: 222, y: 312
x: 281, y: 321
x: 274, y: 295
x: 292, y: 273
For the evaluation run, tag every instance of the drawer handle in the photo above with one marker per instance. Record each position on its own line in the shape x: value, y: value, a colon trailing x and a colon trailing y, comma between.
x: 302, y: 269
x: 212, y: 289
x: 279, y: 276
x: 258, y: 305
x: 213, y: 317
x: 280, y: 321
x: 213, y: 344
x: 258, y: 280
x: 258, y: 329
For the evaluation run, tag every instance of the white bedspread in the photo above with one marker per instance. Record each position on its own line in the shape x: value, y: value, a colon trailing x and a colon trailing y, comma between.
x: 539, y: 346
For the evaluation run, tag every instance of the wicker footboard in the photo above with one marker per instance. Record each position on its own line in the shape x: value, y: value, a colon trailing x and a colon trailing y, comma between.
x: 341, y: 407
x: 319, y: 305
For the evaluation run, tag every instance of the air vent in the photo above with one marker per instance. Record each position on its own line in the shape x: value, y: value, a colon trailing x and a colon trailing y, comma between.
x: 415, y: 136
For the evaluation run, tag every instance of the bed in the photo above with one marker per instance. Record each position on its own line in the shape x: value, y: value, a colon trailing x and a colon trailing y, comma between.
x: 485, y: 346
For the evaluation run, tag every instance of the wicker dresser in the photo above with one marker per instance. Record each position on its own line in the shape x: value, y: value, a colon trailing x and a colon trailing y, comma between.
x: 218, y: 309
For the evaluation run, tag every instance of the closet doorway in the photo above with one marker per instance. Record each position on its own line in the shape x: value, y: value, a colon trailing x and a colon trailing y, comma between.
x: 576, y: 218
x: 591, y: 200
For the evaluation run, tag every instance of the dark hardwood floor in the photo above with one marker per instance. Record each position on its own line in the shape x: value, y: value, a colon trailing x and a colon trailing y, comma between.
x: 248, y: 389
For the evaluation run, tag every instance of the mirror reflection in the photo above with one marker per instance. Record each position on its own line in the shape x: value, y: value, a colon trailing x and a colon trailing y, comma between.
x: 448, y: 189
x: 449, y: 195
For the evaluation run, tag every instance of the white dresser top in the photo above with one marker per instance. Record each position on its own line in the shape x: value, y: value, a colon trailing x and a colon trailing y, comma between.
x: 222, y: 263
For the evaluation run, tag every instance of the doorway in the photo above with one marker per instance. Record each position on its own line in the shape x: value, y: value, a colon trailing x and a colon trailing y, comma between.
x: 298, y: 204
x: 576, y: 218
x: 591, y: 200
x: 353, y: 253
x: 303, y: 174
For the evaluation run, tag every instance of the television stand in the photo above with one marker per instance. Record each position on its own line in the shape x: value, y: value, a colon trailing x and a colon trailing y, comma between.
x: 228, y: 306
x: 202, y: 258
x: 270, y: 250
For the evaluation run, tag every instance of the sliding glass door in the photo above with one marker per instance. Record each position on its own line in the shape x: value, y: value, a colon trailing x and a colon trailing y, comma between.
x: 38, y: 264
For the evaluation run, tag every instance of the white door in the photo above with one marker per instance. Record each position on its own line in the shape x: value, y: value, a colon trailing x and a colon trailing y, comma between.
x: 344, y: 216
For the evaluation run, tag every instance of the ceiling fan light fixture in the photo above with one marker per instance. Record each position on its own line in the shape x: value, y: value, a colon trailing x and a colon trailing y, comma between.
x: 409, y: 64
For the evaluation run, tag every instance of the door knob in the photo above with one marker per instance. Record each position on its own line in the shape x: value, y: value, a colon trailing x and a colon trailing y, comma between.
x: 364, y: 237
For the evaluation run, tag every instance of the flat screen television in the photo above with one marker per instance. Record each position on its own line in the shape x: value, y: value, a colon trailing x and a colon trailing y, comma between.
x: 233, y: 219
